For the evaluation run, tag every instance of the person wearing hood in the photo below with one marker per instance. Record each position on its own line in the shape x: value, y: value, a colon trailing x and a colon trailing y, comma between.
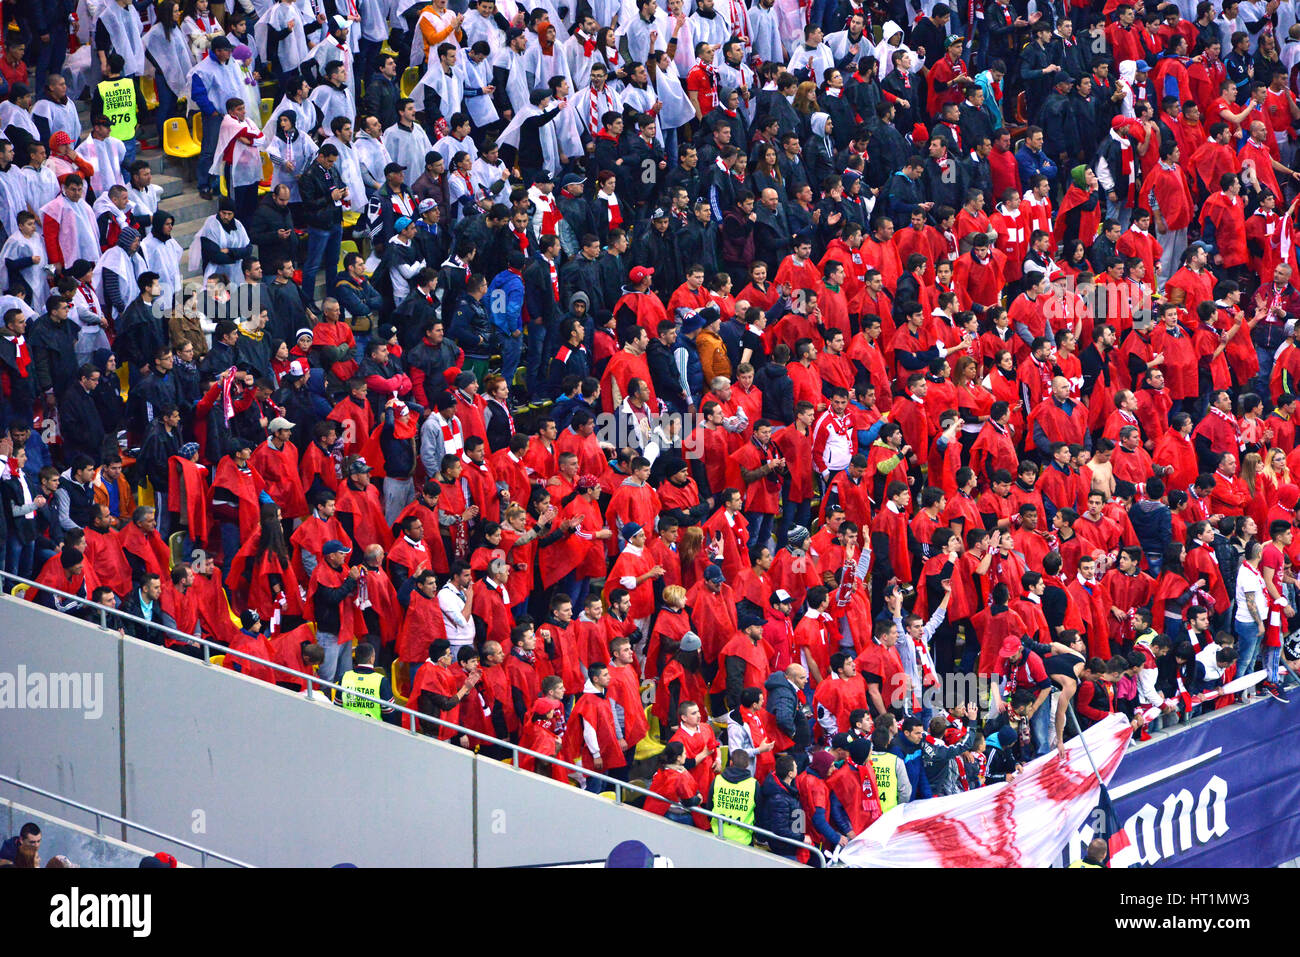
x: 819, y: 154
x: 1080, y: 211
x: 1054, y: 116
x: 828, y: 822
x: 1004, y: 756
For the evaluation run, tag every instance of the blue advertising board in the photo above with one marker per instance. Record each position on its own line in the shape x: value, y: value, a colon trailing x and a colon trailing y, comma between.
x: 1223, y: 792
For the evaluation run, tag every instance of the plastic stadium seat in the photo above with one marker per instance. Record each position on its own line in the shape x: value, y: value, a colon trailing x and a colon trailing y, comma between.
x: 400, y: 681
x: 264, y: 186
x: 19, y: 591
x: 150, y: 93
x: 410, y: 77
x: 196, y: 118
x: 218, y: 660
x: 268, y: 107
x: 174, y: 543
x: 345, y: 247
x: 177, y: 141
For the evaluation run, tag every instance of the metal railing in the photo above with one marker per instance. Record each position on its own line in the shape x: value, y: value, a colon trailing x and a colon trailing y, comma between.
x: 100, y: 816
x: 210, y: 648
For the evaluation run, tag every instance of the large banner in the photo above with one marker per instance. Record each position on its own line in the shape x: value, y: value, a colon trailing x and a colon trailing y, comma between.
x: 1023, y: 823
x: 1224, y: 792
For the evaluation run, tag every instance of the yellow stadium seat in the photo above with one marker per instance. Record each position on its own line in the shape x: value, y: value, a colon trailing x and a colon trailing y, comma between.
x: 268, y: 107
x: 410, y: 77
x: 150, y: 93
x: 400, y: 679
x: 385, y: 48
x: 609, y: 796
x: 218, y: 660
x: 265, y: 185
x: 19, y: 591
x: 123, y: 380
x: 347, y: 246
x: 650, y: 745
x: 177, y: 141
x: 196, y: 118
x: 175, y: 541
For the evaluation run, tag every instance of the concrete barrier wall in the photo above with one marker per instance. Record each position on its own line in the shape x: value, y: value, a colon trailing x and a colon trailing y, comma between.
x: 268, y: 777
x: 80, y: 845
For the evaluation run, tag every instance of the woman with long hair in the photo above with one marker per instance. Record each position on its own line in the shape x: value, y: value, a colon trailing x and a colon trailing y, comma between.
x: 974, y: 401
x: 694, y: 556
x: 1074, y: 259
x: 1002, y: 384
x: 167, y: 47
x: 766, y: 173
x: 674, y: 786
x: 1262, y: 490
x: 1172, y: 594
x: 262, y: 576
x: 805, y: 104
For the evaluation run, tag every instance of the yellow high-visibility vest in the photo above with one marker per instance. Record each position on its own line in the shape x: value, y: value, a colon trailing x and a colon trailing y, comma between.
x: 736, y: 801
x: 118, y: 97
x: 367, y: 683
x: 886, y: 779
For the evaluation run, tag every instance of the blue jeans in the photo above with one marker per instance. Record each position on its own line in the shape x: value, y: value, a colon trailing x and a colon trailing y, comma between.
x: 322, y: 250
x: 338, y: 657
x: 19, y: 555
x: 1248, y: 639
x: 1041, y: 726
x: 230, y: 542
x: 535, y: 359
x: 512, y: 348
x: 760, y: 528
x: 792, y: 514
x: 46, y: 58
x: 1271, y: 658
x: 166, y: 104
x: 211, y: 133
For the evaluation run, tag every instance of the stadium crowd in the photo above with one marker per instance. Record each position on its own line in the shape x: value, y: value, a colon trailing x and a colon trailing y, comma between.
x: 777, y: 367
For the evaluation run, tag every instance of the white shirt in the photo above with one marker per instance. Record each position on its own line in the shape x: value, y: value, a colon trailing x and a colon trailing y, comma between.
x: 456, y: 616
x: 1250, y: 582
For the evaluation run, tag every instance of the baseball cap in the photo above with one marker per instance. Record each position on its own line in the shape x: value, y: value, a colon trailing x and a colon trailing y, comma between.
x: 394, y: 168
x: 359, y: 467
x: 1010, y: 646
x: 1142, y: 66
x: 659, y: 213
x: 640, y: 273
x: 714, y: 574
x: 335, y: 547
x: 427, y: 204
x: 781, y: 597
x: 220, y: 43
x: 402, y: 223
x: 841, y: 741
x: 278, y: 423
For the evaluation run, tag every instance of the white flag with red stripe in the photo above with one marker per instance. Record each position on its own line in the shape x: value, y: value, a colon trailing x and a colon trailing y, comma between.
x: 1021, y: 824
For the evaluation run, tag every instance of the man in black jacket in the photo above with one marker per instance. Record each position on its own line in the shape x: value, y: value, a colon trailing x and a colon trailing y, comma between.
x: 772, y: 232
x: 139, y: 332
x: 161, y: 442
x: 322, y: 190
x: 1055, y: 117
x: 271, y: 227
x: 582, y: 274
x: 663, y: 368
x: 79, y: 420
x: 774, y: 381
x: 382, y: 92
x: 145, y: 602
x: 281, y: 299
x: 51, y: 340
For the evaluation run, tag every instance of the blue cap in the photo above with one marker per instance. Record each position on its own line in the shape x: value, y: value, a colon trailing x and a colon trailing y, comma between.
x: 630, y: 530
x: 1142, y: 66
x: 334, y: 547
x: 402, y: 223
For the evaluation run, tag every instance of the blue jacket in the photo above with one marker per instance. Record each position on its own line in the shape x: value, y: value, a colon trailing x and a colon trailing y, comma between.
x: 915, y: 764
x: 778, y: 806
x: 505, y: 299
x: 1032, y: 163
